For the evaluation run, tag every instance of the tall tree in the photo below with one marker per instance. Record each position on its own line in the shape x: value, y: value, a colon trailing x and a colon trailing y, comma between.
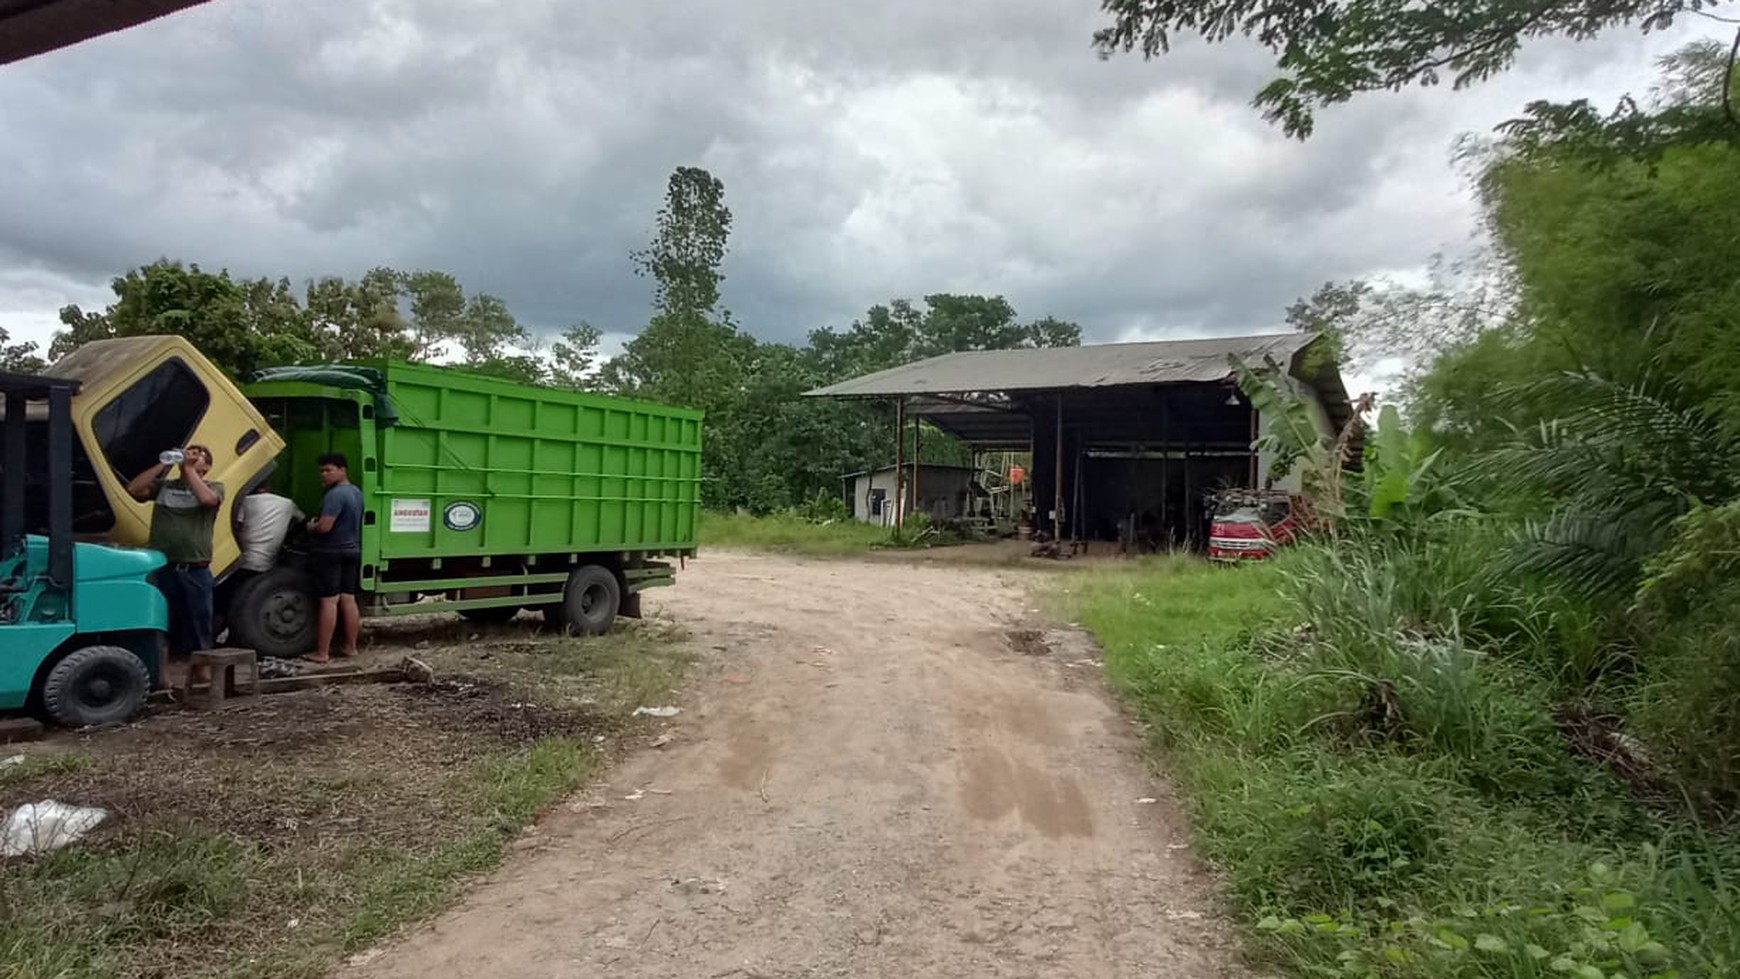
x: 690, y: 353
x: 689, y: 245
x: 1328, y: 52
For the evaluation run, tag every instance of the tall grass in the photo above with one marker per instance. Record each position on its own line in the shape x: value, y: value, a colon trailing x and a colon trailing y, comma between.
x: 1366, y: 739
x: 788, y: 533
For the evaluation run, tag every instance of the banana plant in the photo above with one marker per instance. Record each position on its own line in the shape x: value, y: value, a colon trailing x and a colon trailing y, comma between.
x: 1398, y: 470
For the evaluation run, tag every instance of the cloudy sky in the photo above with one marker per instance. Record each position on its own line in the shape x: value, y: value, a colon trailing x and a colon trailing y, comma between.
x: 869, y: 151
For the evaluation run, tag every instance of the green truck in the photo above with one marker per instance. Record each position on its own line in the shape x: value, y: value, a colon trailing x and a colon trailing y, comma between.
x: 482, y: 496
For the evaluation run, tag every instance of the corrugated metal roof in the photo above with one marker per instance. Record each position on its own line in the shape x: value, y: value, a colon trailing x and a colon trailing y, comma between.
x: 32, y: 27
x: 1055, y: 368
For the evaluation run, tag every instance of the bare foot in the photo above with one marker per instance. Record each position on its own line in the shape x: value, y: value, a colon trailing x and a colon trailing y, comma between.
x: 316, y: 658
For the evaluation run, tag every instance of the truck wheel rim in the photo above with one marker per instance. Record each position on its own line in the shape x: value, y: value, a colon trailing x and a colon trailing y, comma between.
x: 286, y: 614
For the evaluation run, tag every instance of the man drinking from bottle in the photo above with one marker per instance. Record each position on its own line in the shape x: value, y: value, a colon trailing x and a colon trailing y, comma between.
x: 181, y: 527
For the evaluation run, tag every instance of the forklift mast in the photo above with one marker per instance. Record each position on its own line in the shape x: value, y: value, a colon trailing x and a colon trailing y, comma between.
x: 18, y: 392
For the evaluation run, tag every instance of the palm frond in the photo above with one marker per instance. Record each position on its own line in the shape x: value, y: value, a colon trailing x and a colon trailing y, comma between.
x: 1592, y: 554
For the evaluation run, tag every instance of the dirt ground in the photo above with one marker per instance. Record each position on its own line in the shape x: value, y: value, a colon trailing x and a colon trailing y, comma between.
x: 889, y: 770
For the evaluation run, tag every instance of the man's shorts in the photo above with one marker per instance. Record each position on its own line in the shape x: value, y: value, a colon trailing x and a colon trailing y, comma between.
x: 336, y: 574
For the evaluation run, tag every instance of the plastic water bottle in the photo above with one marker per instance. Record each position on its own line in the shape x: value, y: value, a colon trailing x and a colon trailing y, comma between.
x: 170, y: 457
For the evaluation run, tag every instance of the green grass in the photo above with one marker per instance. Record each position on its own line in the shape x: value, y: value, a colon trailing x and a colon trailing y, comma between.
x: 34, y: 766
x: 214, y: 892
x: 789, y: 534
x: 636, y: 665
x: 151, y: 898
x: 1438, y: 829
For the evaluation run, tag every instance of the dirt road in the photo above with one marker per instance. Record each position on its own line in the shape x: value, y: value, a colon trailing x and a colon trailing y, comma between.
x: 873, y: 778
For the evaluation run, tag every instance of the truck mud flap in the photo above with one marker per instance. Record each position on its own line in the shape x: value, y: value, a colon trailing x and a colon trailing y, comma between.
x: 630, y: 608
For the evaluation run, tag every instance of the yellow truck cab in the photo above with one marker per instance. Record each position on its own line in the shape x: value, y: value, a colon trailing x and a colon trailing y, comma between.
x: 139, y: 396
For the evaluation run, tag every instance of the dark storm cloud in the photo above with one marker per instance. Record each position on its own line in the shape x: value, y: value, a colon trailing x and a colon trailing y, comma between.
x: 868, y: 152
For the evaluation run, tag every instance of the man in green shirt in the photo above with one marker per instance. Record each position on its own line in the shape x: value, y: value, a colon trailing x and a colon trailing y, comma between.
x: 181, y: 527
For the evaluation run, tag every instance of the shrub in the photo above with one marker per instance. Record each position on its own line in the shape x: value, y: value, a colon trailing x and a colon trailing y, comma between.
x: 1302, y: 831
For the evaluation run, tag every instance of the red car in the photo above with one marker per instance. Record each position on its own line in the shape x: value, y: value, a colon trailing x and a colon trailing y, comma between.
x: 1250, y: 525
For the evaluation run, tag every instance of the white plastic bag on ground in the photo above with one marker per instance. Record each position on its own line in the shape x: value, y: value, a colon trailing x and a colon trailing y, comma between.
x: 656, y: 711
x: 39, y: 827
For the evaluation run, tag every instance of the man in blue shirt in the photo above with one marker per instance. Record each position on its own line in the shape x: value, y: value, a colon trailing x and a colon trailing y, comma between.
x: 335, y: 557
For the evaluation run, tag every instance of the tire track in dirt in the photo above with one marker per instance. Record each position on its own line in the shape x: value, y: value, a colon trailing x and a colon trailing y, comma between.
x: 895, y: 790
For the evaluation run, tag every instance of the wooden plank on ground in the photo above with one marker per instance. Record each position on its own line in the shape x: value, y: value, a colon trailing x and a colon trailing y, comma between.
x: 20, y: 729
x: 330, y: 678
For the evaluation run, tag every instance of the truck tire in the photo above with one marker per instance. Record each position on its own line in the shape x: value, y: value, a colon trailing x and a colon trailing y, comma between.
x: 491, y: 615
x: 590, y: 601
x: 276, y: 614
x: 95, y: 685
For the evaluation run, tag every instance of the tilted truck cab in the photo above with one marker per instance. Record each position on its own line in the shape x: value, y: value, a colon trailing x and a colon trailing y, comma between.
x: 481, y: 496
x: 139, y: 396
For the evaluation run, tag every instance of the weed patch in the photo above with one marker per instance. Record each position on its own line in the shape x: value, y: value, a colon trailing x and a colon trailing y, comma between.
x: 1389, y: 797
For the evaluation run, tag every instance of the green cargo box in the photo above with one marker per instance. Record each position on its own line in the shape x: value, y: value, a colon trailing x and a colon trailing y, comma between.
x: 468, y: 477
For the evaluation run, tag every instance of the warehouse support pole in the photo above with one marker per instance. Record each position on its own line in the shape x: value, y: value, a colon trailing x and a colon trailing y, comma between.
x: 917, y: 455
x: 899, y: 462
x: 1057, y: 464
x: 1254, y: 435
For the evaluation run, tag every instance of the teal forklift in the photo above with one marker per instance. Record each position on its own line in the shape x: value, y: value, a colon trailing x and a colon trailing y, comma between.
x: 82, y: 628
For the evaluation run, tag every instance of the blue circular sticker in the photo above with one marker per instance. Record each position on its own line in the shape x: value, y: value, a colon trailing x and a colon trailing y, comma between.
x: 461, y: 515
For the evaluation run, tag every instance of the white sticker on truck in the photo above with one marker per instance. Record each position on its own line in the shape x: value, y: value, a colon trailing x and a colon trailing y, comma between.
x: 411, y: 516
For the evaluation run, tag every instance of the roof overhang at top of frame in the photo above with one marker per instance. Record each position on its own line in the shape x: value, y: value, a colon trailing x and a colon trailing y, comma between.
x: 33, y: 27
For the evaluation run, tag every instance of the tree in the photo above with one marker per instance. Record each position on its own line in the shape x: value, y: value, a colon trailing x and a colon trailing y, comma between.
x: 690, y: 353
x: 437, y: 309
x: 1326, y: 53
x: 246, y: 325
x: 1692, y: 105
x: 18, y: 358
x: 574, y: 357
x: 239, y: 326
x: 1624, y: 249
x: 1369, y: 323
x: 487, y: 331
x: 900, y: 333
x: 694, y: 229
x: 358, y: 320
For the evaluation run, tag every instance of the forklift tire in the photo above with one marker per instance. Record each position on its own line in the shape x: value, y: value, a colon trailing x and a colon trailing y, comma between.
x: 276, y: 614
x: 590, y: 601
x: 96, y: 685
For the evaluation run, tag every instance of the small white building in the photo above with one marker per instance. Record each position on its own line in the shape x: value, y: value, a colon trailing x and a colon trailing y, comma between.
x: 939, y: 490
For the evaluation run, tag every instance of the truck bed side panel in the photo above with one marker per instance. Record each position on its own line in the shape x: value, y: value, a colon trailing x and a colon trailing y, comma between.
x: 477, y: 466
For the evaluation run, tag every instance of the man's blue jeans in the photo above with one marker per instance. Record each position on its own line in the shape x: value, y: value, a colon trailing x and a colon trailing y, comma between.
x: 187, y: 588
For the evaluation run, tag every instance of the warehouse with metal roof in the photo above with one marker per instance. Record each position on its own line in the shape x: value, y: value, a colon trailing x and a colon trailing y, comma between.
x: 1128, y: 439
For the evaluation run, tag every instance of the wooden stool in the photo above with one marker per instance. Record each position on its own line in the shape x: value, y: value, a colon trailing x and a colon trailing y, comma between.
x: 224, y: 681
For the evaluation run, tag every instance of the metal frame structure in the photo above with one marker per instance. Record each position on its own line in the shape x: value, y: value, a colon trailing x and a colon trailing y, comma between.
x: 18, y: 392
x: 1077, y: 408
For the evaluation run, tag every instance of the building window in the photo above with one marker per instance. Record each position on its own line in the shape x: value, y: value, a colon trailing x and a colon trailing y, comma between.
x: 159, y: 411
x: 876, y: 498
